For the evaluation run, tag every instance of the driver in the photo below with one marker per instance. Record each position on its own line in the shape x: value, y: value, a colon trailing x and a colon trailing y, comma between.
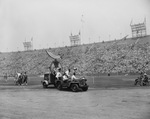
x: 73, y: 77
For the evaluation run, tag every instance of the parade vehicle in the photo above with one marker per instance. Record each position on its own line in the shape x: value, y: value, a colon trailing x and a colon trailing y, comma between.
x: 50, y: 77
x: 73, y: 85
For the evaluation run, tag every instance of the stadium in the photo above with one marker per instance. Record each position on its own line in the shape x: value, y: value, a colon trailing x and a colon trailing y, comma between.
x: 114, y: 70
x: 94, y: 61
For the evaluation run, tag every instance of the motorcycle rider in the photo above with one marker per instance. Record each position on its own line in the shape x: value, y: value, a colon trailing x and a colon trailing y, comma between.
x: 141, y: 78
x: 145, y: 78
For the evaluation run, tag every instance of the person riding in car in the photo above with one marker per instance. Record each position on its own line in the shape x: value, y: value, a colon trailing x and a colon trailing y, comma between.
x: 67, y: 73
x: 58, y: 74
x: 65, y: 77
x: 145, y: 78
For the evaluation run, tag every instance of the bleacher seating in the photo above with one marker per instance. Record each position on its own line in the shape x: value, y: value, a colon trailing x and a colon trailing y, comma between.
x: 113, y: 56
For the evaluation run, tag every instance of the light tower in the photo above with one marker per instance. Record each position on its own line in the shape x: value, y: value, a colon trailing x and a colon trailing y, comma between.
x: 138, y: 30
x: 28, y: 45
x: 75, y: 39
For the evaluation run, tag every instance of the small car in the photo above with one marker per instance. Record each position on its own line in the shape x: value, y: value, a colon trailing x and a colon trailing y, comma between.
x: 73, y: 85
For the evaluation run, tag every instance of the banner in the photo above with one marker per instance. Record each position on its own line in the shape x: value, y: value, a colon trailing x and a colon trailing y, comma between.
x: 52, y: 55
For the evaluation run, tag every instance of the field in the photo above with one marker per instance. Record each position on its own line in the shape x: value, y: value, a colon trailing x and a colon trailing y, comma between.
x: 108, y: 97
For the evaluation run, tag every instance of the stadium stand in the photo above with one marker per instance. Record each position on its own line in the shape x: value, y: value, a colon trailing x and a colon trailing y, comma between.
x: 118, y: 56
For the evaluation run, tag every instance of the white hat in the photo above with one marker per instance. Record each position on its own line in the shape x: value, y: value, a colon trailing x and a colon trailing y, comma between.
x: 145, y: 74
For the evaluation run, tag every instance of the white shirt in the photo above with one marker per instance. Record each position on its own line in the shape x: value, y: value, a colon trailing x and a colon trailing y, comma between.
x: 58, y: 75
x: 67, y: 73
x: 65, y: 77
x: 73, y: 77
x: 18, y: 74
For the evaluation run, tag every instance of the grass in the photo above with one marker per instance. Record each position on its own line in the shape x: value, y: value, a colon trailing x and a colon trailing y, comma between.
x: 92, y: 81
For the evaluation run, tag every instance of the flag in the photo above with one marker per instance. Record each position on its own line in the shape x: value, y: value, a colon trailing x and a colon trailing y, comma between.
x: 52, y: 55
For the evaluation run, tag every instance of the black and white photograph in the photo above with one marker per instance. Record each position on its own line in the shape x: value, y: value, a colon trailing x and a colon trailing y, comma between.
x: 74, y: 59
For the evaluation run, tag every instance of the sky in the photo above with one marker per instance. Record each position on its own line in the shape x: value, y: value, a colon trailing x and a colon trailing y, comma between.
x: 50, y: 22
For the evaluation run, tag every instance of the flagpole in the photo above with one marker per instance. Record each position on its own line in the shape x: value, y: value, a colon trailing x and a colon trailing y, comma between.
x: 82, y: 21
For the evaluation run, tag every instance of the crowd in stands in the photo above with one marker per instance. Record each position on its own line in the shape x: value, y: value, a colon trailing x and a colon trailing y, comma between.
x: 115, y: 56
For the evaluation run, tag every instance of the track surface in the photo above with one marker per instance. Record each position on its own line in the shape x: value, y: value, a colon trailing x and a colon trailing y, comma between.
x: 107, y: 98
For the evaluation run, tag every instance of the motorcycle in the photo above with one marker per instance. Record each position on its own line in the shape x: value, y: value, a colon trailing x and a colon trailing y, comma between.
x: 141, y: 81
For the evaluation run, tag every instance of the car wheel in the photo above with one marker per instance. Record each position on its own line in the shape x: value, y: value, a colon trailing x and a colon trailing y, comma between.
x: 85, y: 88
x: 74, y: 87
x: 44, y: 85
